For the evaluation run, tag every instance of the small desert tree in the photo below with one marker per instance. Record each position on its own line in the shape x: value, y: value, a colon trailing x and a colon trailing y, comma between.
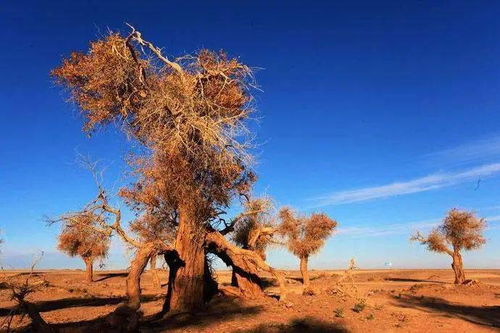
x: 461, y: 230
x: 80, y: 237
x: 305, y: 235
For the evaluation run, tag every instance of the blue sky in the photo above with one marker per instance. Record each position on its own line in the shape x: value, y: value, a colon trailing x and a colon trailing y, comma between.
x: 383, y: 116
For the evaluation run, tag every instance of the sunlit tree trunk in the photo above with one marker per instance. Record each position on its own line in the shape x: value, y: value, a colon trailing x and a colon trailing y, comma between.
x: 245, y: 263
x: 303, y: 270
x: 133, y: 282
x: 89, y: 269
x: 458, y: 268
x: 126, y: 316
x: 154, y: 272
x: 250, y: 285
x: 186, y: 278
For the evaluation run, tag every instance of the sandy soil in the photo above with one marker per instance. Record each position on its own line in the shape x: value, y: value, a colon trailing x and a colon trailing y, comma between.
x: 369, y: 301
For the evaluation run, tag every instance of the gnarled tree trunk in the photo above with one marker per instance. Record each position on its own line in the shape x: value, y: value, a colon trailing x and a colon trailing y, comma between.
x: 154, y: 272
x: 133, y: 282
x: 250, y: 285
x: 246, y: 263
x: 304, y: 271
x: 186, y: 277
x: 89, y: 269
x: 126, y: 317
x: 458, y: 268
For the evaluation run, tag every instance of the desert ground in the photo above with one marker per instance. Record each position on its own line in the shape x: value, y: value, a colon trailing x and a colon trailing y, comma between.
x: 364, y: 301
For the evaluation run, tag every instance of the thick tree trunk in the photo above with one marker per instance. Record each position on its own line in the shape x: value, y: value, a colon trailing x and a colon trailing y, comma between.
x: 246, y: 263
x: 250, y: 285
x: 304, y: 271
x: 154, y: 272
x: 89, y: 269
x: 458, y: 268
x: 186, y: 277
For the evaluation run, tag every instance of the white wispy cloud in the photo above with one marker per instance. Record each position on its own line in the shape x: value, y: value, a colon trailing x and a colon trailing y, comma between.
x: 379, y: 230
x: 478, y: 151
x: 423, y: 184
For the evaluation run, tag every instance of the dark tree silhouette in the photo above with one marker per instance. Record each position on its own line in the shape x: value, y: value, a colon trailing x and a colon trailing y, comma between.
x: 460, y: 230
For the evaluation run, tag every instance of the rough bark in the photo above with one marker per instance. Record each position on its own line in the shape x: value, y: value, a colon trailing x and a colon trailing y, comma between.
x: 89, y: 269
x: 245, y: 262
x: 458, y: 268
x: 154, y: 272
x: 304, y: 271
x: 186, y: 279
x: 250, y: 285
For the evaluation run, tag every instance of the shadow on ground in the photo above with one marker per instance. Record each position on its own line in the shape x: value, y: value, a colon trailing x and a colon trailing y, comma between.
x: 219, y: 309
x: 481, y: 315
x: 412, y: 280
x: 64, y: 303
x: 105, y: 276
x: 297, y: 325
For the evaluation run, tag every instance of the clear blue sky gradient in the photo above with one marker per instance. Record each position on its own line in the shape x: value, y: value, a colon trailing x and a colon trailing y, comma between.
x: 383, y: 116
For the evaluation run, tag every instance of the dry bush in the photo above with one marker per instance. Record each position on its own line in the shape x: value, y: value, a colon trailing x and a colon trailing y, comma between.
x: 21, y: 286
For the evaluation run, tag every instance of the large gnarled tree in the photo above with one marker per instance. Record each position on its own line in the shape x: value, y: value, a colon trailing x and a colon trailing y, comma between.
x: 189, y: 115
x: 305, y: 235
x: 460, y: 230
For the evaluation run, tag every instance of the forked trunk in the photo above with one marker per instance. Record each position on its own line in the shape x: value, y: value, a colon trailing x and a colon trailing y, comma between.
x: 154, y: 272
x: 458, y: 268
x: 89, y: 269
x: 187, y: 272
x: 304, y: 271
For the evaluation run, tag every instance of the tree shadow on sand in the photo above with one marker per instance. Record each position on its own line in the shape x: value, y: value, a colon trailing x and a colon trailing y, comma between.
x: 219, y: 309
x: 413, y: 280
x: 298, y: 325
x: 480, y: 315
x: 74, y: 302
x: 105, y: 276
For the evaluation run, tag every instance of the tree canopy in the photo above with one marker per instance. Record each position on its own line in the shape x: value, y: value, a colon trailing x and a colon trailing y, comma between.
x: 460, y: 230
x: 305, y: 234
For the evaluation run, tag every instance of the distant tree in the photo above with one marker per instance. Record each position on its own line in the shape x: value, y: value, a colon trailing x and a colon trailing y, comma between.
x: 305, y: 235
x: 461, y: 230
x: 80, y: 237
